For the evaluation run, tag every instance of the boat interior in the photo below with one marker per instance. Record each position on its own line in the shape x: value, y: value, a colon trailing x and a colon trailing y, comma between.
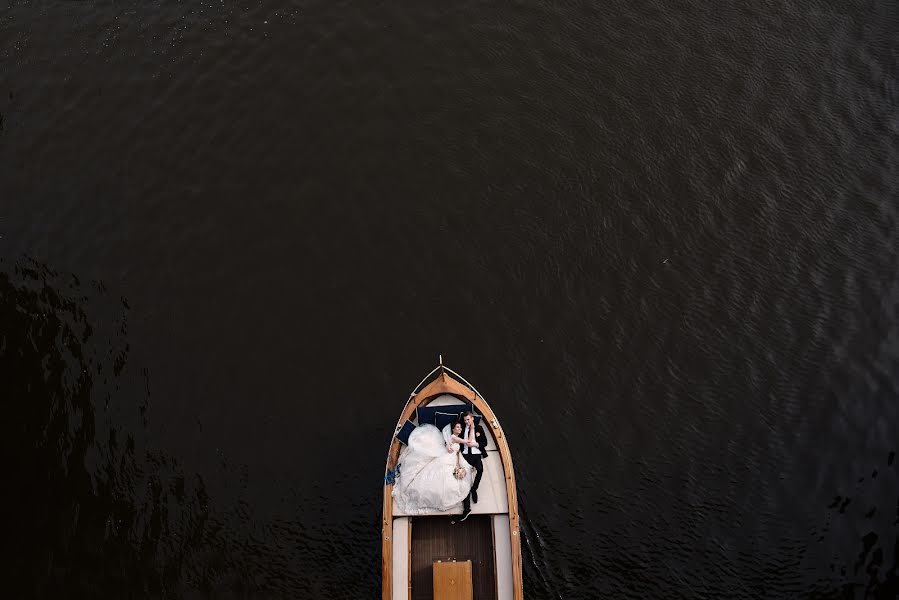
x: 432, y: 553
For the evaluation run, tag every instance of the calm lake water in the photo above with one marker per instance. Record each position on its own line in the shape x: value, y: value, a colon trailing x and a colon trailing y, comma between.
x: 660, y: 238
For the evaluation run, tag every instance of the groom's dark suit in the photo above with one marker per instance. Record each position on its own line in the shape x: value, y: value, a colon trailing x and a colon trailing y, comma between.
x: 475, y: 461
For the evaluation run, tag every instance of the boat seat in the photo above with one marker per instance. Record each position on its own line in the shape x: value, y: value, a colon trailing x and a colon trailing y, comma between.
x: 452, y: 580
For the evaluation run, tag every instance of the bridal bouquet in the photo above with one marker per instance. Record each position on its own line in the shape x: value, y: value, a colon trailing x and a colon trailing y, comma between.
x: 459, y: 472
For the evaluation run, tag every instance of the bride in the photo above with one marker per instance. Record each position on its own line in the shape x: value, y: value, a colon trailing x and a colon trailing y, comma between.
x: 431, y: 477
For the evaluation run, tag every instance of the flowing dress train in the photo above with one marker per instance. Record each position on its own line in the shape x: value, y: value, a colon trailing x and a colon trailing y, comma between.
x: 426, y: 483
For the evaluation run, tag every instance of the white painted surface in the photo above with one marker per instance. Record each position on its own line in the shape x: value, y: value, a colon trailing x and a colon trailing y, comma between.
x: 502, y: 543
x: 492, y: 497
x: 444, y: 400
x: 401, y: 558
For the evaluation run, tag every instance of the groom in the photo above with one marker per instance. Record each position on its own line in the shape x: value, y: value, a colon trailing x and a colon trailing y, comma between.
x: 473, y: 451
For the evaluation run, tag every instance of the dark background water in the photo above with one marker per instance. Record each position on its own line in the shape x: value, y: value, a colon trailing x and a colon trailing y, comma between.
x: 661, y: 238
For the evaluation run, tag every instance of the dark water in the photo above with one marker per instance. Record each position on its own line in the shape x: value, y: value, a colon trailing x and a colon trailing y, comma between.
x: 661, y: 238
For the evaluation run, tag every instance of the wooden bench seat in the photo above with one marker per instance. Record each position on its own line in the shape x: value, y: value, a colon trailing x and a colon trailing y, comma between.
x: 452, y: 580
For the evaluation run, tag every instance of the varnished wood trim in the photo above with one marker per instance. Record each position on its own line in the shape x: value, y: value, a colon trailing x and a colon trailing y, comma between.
x: 495, y: 557
x: 387, y: 546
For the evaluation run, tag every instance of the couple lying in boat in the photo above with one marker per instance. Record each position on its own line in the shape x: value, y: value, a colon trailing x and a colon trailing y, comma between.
x: 441, y: 468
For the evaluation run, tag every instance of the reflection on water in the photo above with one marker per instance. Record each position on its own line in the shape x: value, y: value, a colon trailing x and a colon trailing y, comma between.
x: 97, y: 512
x: 869, y: 515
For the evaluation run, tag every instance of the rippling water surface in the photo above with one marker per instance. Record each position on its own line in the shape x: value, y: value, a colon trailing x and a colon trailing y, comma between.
x: 660, y: 237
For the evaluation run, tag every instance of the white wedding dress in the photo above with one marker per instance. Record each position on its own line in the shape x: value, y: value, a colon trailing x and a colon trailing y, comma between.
x: 426, y: 483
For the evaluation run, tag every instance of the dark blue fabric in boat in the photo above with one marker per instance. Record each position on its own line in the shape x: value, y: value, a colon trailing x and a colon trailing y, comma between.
x: 442, y: 419
x: 447, y: 414
x: 404, y: 432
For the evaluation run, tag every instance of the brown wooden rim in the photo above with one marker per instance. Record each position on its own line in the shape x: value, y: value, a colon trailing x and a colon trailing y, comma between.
x: 446, y: 384
x: 408, y: 562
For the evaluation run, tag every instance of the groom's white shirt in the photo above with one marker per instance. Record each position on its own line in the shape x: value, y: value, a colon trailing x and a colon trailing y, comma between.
x: 473, y: 449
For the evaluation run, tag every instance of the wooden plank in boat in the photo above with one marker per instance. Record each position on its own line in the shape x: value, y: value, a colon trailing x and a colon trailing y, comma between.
x: 452, y: 580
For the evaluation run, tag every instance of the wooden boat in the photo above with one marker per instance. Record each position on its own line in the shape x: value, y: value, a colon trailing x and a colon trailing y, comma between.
x: 438, y: 555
